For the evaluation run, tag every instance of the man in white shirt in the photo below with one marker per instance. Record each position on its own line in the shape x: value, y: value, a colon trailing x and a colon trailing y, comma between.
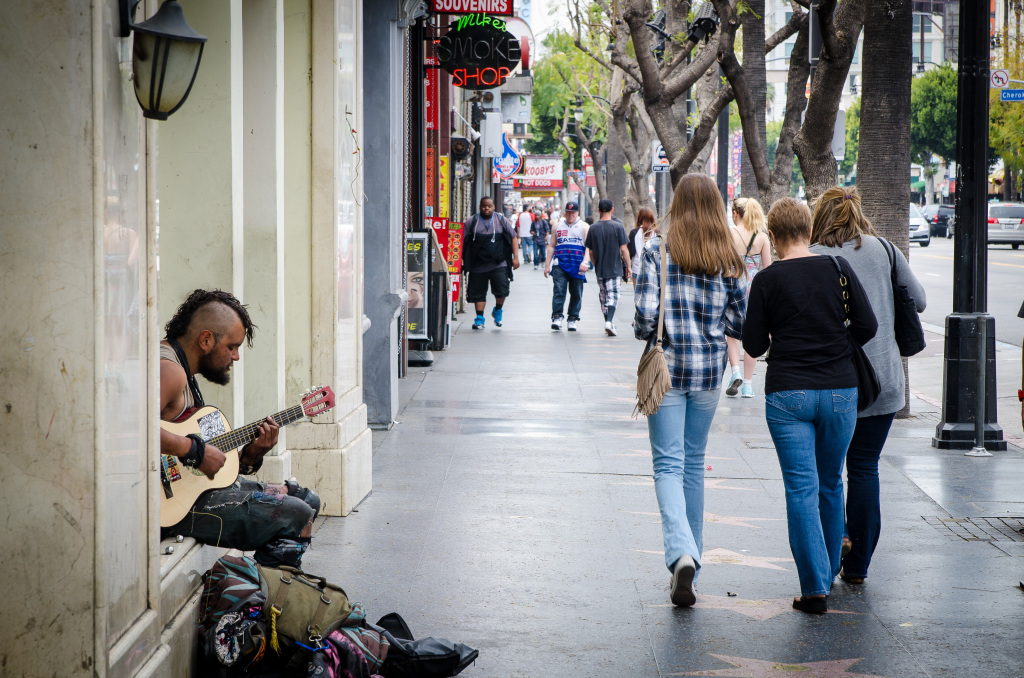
x: 524, y: 221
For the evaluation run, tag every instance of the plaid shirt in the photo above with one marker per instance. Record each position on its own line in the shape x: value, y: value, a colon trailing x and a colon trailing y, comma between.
x: 702, y: 310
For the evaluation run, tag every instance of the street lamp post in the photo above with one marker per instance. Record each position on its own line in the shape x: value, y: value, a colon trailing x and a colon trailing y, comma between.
x: 969, y: 368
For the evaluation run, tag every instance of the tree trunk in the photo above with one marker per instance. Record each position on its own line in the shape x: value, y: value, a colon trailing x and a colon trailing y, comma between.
x: 753, y: 64
x: 796, y: 102
x: 883, y: 175
x: 813, y: 144
x: 929, y: 184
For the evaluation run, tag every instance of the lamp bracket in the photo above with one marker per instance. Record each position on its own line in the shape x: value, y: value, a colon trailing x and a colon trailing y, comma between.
x: 126, y: 12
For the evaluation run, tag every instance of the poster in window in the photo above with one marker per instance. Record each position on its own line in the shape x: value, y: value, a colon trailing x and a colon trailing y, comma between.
x: 416, y: 280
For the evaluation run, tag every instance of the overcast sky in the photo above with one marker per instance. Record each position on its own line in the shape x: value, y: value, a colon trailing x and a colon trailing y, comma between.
x: 544, y: 22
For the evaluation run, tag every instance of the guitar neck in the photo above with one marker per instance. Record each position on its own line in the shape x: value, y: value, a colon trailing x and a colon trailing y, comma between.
x: 242, y: 436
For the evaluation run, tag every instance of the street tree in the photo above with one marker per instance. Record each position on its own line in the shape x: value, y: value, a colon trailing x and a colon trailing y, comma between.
x: 1006, y: 127
x: 933, y: 122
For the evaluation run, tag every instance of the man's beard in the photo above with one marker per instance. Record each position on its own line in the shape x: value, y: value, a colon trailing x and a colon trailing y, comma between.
x: 212, y: 374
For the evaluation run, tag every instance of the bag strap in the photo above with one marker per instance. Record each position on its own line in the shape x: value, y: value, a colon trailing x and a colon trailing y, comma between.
x: 843, y: 284
x: 891, y: 253
x: 750, y: 244
x: 661, y: 302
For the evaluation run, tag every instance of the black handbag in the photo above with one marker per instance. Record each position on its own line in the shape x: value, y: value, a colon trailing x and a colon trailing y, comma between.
x: 868, y: 386
x: 906, y: 321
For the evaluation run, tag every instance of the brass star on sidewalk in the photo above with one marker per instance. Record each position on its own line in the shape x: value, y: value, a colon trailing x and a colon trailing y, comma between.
x: 758, y: 609
x: 716, y: 484
x: 733, y: 520
x: 759, y: 668
x: 727, y: 557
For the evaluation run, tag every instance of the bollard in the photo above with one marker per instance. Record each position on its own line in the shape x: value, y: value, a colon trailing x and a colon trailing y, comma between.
x: 980, y: 410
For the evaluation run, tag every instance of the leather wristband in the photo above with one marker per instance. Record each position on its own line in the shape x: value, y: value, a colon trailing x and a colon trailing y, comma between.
x: 195, y: 456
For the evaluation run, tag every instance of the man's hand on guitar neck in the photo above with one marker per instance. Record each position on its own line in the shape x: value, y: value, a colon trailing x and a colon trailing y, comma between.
x: 265, y: 441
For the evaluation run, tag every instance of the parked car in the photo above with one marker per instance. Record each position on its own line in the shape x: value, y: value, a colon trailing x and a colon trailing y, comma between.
x: 1006, y: 223
x: 919, y: 231
x: 938, y: 218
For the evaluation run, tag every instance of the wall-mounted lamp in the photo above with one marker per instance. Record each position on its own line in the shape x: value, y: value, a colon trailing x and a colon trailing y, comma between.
x: 165, y: 57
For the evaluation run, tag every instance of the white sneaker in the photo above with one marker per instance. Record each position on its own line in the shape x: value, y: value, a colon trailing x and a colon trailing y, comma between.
x: 610, y: 329
x: 571, y: 326
x: 681, y: 592
x: 556, y: 324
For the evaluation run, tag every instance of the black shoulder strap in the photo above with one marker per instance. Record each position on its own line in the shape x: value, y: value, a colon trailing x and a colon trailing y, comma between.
x: 751, y: 243
x: 889, y: 252
x: 193, y: 384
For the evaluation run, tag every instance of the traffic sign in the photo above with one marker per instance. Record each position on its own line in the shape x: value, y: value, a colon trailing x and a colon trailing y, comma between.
x: 659, y: 159
x: 999, y: 79
x: 1012, y: 95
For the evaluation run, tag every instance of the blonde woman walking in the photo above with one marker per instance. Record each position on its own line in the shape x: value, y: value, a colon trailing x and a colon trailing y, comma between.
x: 751, y: 242
x: 705, y: 300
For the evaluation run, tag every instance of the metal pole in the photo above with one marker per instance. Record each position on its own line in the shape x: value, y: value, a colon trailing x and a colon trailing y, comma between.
x: 980, y: 374
x: 961, y: 413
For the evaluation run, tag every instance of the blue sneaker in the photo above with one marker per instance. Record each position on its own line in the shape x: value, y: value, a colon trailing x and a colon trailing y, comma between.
x: 478, y: 323
x: 496, y: 314
x: 746, y: 391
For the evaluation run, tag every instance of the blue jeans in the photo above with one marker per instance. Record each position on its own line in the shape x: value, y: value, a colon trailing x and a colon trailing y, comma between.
x: 812, y: 430
x: 679, y: 434
x: 562, y: 281
x: 863, y: 511
x: 526, y: 244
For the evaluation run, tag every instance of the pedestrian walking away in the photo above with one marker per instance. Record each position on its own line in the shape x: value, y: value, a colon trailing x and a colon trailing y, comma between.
x: 841, y: 229
x: 540, y: 231
x: 524, y: 222
x: 490, y: 254
x: 608, y: 246
x: 638, y: 237
x: 704, y: 303
x: 799, y: 306
x: 752, y: 243
x: 567, y: 263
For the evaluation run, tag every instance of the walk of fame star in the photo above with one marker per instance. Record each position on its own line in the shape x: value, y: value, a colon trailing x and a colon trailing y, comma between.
x: 716, y: 484
x: 744, y: 667
x: 733, y: 520
x: 727, y: 557
x: 757, y: 609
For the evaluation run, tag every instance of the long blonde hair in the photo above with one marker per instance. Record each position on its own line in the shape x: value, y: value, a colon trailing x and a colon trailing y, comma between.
x: 751, y: 212
x: 838, y: 218
x: 698, y: 234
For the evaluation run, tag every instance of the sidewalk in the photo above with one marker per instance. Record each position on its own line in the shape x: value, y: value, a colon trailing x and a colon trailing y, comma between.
x: 513, y: 509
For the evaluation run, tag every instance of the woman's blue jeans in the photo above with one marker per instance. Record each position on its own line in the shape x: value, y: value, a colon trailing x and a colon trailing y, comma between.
x: 863, y: 510
x: 812, y: 430
x: 679, y: 434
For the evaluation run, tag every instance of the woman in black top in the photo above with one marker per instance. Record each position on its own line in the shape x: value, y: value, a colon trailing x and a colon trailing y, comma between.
x: 796, y: 306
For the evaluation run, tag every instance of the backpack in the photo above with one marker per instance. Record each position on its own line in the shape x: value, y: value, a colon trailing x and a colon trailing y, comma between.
x: 230, y: 629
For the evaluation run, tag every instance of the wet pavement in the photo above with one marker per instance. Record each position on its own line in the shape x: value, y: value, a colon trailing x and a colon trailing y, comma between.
x: 513, y: 509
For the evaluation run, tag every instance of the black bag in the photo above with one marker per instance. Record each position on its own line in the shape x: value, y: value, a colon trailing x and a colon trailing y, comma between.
x: 868, y: 387
x: 906, y: 321
x: 423, y: 658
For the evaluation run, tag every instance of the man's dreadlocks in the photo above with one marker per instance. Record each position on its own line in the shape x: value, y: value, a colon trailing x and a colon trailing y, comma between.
x: 177, y: 326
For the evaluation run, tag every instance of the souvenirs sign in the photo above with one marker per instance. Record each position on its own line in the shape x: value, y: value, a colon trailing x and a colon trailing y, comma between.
x: 501, y: 7
x: 478, y: 52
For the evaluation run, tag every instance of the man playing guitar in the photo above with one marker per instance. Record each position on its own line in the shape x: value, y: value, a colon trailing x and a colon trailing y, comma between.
x: 204, y: 337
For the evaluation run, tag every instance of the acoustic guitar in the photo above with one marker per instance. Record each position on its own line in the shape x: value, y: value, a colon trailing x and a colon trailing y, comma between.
x: 183, y: 485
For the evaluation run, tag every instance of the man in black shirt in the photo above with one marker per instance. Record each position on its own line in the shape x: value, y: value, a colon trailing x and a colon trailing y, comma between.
x: 490, y: 254
x: 609, y: 252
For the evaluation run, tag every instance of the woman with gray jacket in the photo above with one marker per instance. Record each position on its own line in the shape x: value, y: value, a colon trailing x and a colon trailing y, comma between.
x: 840, y: 228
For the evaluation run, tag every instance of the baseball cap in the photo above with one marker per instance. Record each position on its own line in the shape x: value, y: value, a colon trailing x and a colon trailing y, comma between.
x: 572, y: 207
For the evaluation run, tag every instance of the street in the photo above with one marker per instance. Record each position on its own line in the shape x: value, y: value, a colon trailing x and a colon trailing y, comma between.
x: 513, y: 509
x: 933, y: 265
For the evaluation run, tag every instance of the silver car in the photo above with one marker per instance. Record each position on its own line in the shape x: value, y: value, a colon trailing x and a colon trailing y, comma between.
x: 919, y: 231
x: 1006, y: 223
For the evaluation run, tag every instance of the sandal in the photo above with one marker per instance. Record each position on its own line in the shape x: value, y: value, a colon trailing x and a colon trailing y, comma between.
x: 847, y: 547
x: 811, y: 605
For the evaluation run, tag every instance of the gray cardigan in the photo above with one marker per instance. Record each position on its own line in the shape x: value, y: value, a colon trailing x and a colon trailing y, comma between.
x: 871, y: 264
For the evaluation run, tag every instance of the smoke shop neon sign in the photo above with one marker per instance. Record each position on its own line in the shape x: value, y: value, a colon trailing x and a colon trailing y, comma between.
x: 478, y: 51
